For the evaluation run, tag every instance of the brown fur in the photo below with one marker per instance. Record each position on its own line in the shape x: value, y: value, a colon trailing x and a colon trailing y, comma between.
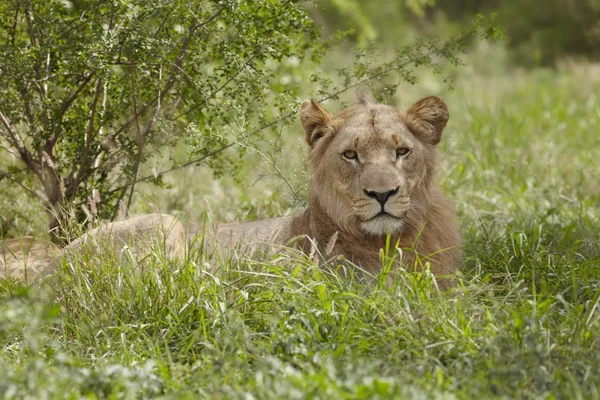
x: 361, y: 190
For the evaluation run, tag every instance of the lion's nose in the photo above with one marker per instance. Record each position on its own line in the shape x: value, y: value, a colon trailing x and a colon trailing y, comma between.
x: 381, y: 197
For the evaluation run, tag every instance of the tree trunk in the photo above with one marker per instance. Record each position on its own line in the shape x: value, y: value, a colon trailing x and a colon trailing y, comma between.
x: 56, y: 207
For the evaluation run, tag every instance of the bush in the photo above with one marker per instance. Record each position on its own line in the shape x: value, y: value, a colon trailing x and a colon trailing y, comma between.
x: 92, y: 89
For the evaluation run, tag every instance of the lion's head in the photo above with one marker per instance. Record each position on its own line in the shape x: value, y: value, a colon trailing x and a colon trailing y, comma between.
x: 372, y: 163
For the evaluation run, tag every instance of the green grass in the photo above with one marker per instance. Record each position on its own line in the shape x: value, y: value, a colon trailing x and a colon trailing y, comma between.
x: 520, y: 159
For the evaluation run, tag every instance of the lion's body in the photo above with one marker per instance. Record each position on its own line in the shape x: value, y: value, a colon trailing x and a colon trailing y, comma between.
x: 27, y: 259
x: 260, y: 235
x: 141, y: 233
x: 372, y: 175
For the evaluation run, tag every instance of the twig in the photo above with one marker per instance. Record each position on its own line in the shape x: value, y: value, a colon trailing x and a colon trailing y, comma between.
x: 9, y: 151
x: 173, y: 78
x: 13, y: 138
x: 89, y: 136
x: 289, y: 115
x: 274, y: 165
x: 181, y: 56
x: 30, y: 30
x: 141, y: 140
x: 13, y: 30
x: 214, y: 92
x: 212, y: 18
x: 13, y: 180
x: 187, y: 164
x: 71, y: 98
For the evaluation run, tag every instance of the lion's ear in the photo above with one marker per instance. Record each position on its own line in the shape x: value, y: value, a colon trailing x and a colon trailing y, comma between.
x: 314, y: 119
x: 427, y: 118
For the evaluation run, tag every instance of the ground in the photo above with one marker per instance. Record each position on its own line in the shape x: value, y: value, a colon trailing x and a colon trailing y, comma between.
x: 521, y: 161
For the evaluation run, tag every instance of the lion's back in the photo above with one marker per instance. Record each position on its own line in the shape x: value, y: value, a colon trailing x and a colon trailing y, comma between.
x: 26, y: 259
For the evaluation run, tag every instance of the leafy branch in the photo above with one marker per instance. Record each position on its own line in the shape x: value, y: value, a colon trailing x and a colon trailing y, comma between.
x: 409, y: 58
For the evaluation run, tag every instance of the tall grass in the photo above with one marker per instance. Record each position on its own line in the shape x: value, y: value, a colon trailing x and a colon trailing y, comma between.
x: 520, y: 159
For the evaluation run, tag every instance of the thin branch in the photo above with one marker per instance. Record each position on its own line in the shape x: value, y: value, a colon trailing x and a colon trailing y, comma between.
x: 65, y: 106
x: 47, y: 78
x: 9, y: 151
x: 18, y: 182
x: 13, y: 30
x: 187, y: 164
x: 12, y: 134
x: 297, y: 196
x: 71, y: 98
x: 183, y: 51
x: 89, y: 137
x: 141, y: 139
x: 14, y: 139
x: 214, y: 92
x: 287, y: 116
x: 37, y: 42
x: 212, y: 18
x: 174, y: 72
x: 26, y: 104
x: 30, y: 31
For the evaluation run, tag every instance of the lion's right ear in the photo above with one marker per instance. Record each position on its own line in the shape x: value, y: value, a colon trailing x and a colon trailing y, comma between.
x: 314, y: 119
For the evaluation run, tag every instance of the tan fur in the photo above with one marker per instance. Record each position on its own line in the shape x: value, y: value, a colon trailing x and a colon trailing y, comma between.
x: 141, y: 233
x: 425, y: 221
x: 27, y: 259
x: 354, y: 203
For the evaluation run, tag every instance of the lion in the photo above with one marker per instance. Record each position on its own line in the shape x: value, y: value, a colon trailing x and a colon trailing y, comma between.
x: 372, y: 181
x: 30, y: 259
x: 27, y: 259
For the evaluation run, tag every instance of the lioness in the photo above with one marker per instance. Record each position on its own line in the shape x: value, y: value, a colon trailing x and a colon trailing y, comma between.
x: 372, y: 175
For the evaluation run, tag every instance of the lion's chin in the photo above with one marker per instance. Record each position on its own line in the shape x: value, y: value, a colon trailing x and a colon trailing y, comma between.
x: 382, y: 225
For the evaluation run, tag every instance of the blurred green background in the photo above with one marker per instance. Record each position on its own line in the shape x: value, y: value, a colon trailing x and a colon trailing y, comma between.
x: 539, y: 32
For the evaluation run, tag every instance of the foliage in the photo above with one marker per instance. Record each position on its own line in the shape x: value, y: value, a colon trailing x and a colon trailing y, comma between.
x: 366, y: 21
x: 539, y: 31
x: 543, y: 31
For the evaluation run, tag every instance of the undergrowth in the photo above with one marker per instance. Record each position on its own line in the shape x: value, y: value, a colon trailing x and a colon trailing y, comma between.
x: 520, y: 160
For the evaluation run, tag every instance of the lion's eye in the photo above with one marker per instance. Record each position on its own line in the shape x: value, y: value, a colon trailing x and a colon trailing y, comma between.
x: 350, y: 155
x: 402, y: 151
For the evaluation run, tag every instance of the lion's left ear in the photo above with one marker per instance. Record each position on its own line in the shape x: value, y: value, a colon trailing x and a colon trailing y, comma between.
x: 427, y: 118
x: 314, y: 120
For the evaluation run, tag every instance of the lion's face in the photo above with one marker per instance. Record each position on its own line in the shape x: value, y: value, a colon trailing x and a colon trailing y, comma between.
x: 369, y: 161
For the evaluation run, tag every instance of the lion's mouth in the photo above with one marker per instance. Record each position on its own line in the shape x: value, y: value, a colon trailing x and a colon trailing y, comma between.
x: 384, y: 214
